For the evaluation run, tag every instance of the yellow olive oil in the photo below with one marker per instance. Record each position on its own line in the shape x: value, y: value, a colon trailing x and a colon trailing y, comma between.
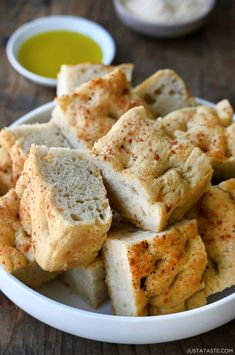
x: 44, y: 53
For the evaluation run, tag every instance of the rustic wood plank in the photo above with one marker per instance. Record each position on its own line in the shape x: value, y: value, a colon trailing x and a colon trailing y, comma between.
x: 22, y: 334
x: 206, y: 61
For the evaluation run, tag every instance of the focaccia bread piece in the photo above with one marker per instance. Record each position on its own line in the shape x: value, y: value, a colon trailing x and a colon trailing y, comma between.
x: 198, y: 299
x: 89, y: 282
x: 146, y: 270
x: 31, y: 273
x: 151, y: 179
x: 164, y: 92
x: 91, y: 111
x: 225, y: 168
x: 211, y: 130
x: 9, y: 221
x: 68, y: 206
x: 18, y: 140
x: 15, y: 245
x: 215, y: 214
x: 23, y: 190
x: 6, y: 181
x: 71, y: 77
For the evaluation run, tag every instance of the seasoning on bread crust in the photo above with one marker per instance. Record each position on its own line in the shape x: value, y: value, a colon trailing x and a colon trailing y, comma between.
x: 71, y: 77
x: 6, y: 180
x: 211, y: 130
x: 215, y: 214
x: 91, y: 111
x: 160, y: 271
x: 15, y: 245
x: 151, y: 179
x: 68, y: 206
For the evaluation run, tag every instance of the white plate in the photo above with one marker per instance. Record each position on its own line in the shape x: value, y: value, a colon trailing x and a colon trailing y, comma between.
x: 58, y: 306
x: 53, y: 23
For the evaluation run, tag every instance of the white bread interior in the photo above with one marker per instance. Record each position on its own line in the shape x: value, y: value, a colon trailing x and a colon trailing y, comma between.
x: 68, y: 207
x: 89, y: 282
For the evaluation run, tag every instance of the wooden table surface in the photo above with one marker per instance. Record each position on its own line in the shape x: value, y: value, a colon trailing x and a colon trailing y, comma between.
x: 205, y: 59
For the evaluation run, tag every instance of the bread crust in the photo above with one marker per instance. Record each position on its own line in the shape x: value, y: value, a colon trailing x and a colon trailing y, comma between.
x: 90, y: 112
x: 10, y: 257
x: 71, y: 77
x: 151, y: 179
x: 17, y: 142
x: 165, y: 91
x: 161, y: 271
x: 215, y: 214
x: 9, y: 222
x: 15, y: 246
x: 60, y: 243
x: 211, y: 130
x: 6, y: 180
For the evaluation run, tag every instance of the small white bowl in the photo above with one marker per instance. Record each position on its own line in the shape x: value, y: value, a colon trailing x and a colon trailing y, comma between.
x: 157, y: 29
x: 54, y: 23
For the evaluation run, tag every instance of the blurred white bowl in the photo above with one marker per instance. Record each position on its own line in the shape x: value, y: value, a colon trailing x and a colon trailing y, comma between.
x: 53, y: 23
x: 160, y: 30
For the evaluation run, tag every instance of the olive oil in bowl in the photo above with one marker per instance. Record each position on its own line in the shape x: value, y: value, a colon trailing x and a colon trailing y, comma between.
x: 44, y: 53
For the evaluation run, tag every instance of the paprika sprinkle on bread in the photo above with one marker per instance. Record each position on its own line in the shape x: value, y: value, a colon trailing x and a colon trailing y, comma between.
x: 69, y: 209
x: 151, y: 179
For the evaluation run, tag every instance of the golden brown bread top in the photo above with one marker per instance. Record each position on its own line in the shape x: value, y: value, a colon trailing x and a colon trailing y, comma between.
x: 208, y: 128
x: 198, y: 299
x: 216, y: 222
x: 96, y: 105
x: 9, y: 222
x: 141, y: 146
x: 166, y: 268
x: 10, y: 257
x: 189, y: 278
x: 13, y: 146
x: 5, y: 161
x: 141, y: 150
x: 6, y: 181
x: 16, y: 254
x: 161, y: 258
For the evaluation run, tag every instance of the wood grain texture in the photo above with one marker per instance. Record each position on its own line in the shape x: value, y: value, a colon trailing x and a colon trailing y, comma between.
x: 205, y: 59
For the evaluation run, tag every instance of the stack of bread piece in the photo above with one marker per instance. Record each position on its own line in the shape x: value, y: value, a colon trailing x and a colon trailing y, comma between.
x: 60, y: 200
x: 141, y: 163
x: 148, y: 152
